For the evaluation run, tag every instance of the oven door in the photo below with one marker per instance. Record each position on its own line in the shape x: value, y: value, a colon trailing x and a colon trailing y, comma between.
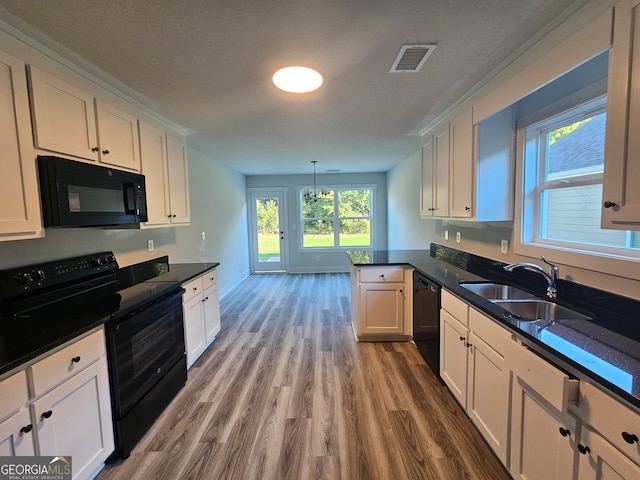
x: 142, y: 347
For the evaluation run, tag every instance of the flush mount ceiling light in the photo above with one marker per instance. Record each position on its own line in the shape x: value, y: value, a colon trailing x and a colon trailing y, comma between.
x: 297, y: 79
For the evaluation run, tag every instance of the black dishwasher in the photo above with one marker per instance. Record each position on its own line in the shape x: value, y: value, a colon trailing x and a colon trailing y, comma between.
x: 426, y: 320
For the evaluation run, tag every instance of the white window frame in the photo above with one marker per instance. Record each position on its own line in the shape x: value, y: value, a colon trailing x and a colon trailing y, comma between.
x: 610, y: 260
x: 336, y: 218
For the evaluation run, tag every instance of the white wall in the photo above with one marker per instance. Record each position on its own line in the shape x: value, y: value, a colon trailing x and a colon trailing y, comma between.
x: 325, y: 261
x: 407, y: 231
x: 218, y: 208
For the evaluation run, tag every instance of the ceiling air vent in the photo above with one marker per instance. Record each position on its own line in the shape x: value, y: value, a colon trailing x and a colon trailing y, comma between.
x: 411, y: 57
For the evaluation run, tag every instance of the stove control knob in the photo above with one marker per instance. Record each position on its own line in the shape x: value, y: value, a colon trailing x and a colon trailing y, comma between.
x: 96, y: 262
x: 37, y: 275
x: 23, y: 278
x: 110, y: 258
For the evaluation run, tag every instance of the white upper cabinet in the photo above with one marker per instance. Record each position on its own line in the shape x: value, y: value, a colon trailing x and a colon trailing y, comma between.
x: 461, y: 167
x: 427, y: 191
x: 494, y: 168
x: 164, y: 165
x: 178, y: 180
x: 621, y: 195
x: 63, y: 116
x: 153, y: 153
x: 468, y: 170
x: 20, y: 207
x: 68, y: 120
x: 117, y: 137
x: 441, y: 172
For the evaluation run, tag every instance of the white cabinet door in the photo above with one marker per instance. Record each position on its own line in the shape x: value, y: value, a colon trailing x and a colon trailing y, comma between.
x: 178, y: 180
x: 16, y: 435
x: 211, y: 313
x: 621, y: 196
x: 453, y: 356
x: 461, y: 165
x: 75, y: 419
x: 117, y: 137
x: 194, y: 333
x: 20, y: 205
x: 64, y: 117
x: 381, y: 308
x: 441, y: 174
x: 599, y: 460
x: 428, y: 180
x: 488, y: 395
x: 153, y: 158
x: 542, y: 438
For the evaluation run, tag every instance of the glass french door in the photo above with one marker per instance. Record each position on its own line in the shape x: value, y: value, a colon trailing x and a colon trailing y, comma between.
x: 268, y: 246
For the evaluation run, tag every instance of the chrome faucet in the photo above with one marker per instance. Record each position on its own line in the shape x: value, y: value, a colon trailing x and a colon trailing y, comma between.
x: 551, y: 277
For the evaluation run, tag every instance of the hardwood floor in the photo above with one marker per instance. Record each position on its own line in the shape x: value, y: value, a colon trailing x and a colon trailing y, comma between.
x: 285, y: 392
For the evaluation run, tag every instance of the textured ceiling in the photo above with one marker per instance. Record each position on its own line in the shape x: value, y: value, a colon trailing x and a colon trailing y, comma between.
x: 207, y: 64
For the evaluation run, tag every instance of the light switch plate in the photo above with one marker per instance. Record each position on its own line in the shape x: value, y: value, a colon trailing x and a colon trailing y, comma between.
x: 504, y: 246
x: 446, y: 234
x: 458, y: 237
x: 150, y: 245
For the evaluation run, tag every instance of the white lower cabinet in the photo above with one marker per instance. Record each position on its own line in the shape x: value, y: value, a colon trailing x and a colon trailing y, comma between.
x: 543, y: 432
x: 599, y: 460
x: 201, y: 311
x: 16, y: 435
x: 540, y: 421
x: 69, y: 410
x: 379, y: 303
x: 74, y: 420
x: 609, y: 444
x: 543, y: 439
x: 472, y: 366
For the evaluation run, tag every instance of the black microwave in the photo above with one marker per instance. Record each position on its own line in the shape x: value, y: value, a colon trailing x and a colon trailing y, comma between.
x: 76, y: 194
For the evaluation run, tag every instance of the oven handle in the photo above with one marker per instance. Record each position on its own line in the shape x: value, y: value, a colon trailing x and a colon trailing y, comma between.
x: 180, y: 291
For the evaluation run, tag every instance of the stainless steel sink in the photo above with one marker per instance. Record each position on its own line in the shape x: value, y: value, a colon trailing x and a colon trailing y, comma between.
x: 496, y: 291
x: 532, y: 310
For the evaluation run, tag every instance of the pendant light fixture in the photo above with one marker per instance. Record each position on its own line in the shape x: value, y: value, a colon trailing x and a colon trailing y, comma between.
x: 315, y: 194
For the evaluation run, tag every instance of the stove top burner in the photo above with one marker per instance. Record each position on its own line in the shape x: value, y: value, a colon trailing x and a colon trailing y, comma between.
x: 82, y: 285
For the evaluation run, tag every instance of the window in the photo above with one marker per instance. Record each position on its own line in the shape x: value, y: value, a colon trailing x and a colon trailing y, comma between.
x: 340, y: 219
x: 563, y: 171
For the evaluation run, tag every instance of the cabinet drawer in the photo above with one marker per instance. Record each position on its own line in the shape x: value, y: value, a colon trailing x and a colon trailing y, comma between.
x: 377, y: 275
x: 611, y: 418
x: 66, y: 362
x: 488, y: 330
x: 13, y: 392
x: 209, y: 279
x: 193, y: 289
x: 456, y: 307
x: 552, y: 384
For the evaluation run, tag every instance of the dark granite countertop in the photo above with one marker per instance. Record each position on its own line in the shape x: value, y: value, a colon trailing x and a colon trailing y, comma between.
x: 605, y: 349
x: 25, y: 337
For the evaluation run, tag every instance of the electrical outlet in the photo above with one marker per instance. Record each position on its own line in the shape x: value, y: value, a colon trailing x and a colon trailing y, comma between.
x: 446, y: 234
x: 504, y: 246
x: 150, y: 245
x: 204, y: 235
x: 317, y: 258
x: 458, y: 237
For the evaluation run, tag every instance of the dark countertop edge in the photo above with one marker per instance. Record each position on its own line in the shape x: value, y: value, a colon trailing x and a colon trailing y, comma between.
x: 55, y: 342
x: 192, y: 270
x: 205, y: 267
x: 453, y: 286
